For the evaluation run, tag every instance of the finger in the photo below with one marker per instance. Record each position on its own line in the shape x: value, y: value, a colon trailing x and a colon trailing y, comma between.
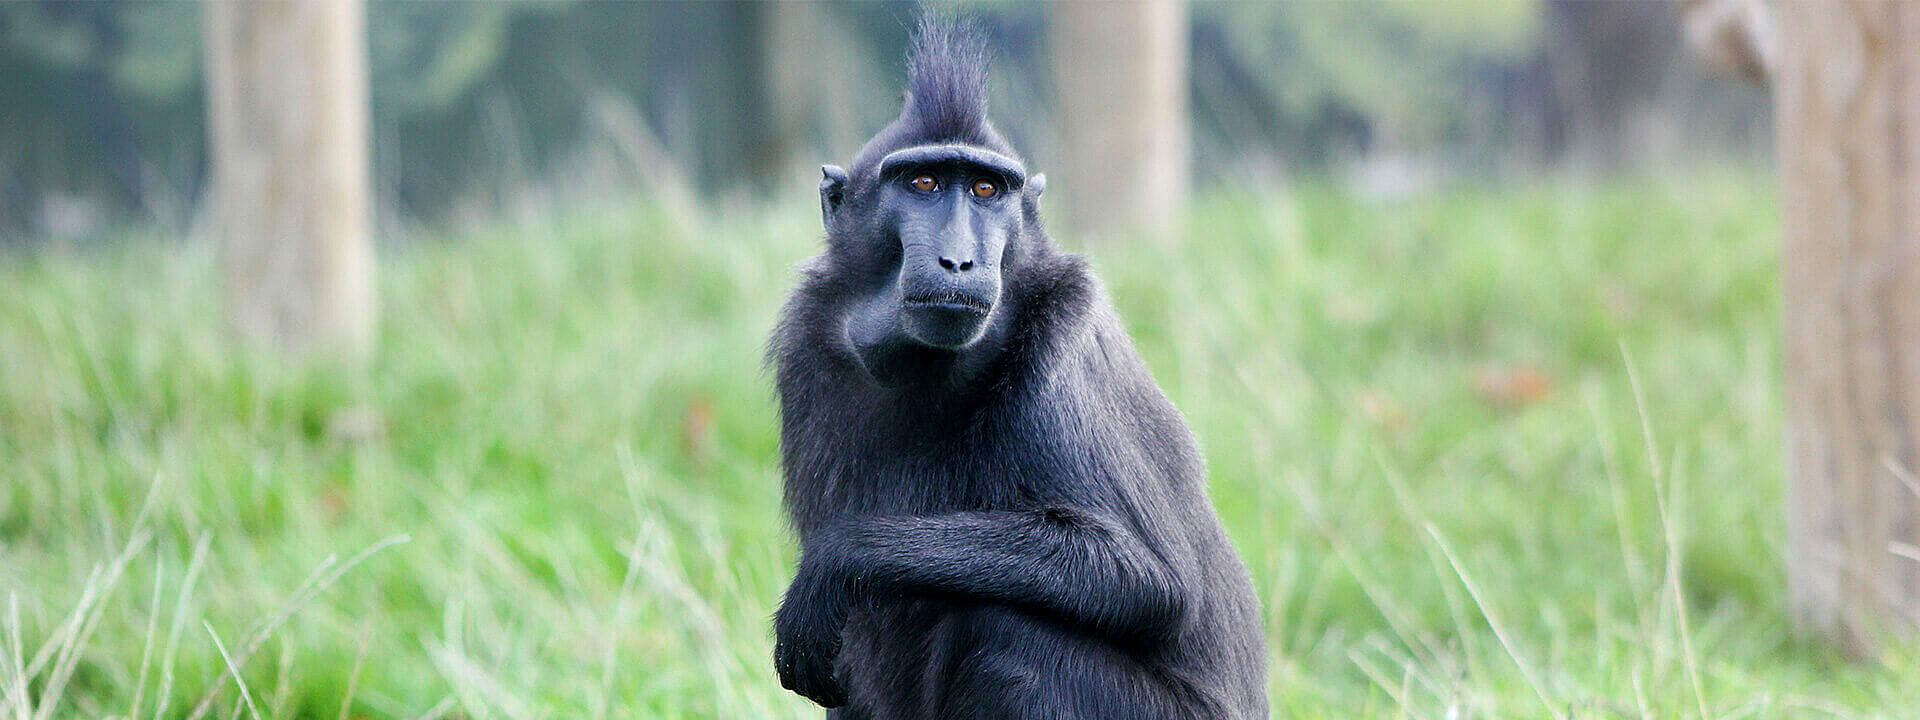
x: 821, y: 691
x: 828, y: 698
x: 833, y: 693
x: 834, y: 698
x: 836, y: 687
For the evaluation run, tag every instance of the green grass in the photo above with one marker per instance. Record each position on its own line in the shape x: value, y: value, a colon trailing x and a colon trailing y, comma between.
x: 1419, y: 416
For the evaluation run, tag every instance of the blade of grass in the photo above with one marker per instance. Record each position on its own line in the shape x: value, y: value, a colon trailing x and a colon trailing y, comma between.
x: 16, y: 697
x: 1527, y: 670
x: 195, y: 564
x: 1661, y: 491
x: 92, y: 610
x: 323, y: 577
x: 153, y: 630
x: 232, y: 669
x: 359, y: 662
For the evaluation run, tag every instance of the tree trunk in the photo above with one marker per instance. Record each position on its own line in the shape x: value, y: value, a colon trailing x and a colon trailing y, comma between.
x: 287, y: 137
x: 1120, y: 71
x: 1847, y: 104
x: 800, y: 59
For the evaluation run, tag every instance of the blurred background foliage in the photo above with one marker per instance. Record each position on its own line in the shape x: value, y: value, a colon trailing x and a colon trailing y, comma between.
x: 1412, y: 315
x: 502, y: 105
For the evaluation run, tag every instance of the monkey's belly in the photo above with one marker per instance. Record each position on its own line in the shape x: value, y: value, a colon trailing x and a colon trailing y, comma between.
x: 923, y: 658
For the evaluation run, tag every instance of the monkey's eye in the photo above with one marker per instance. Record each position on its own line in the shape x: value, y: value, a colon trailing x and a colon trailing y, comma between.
x: 985, y: 189
x: 924, y: 183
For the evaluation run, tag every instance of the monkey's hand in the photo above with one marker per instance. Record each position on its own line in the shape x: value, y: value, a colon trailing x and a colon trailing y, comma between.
x: 807, y: 637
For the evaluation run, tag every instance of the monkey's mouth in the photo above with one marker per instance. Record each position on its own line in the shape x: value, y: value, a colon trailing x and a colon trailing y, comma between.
x: 947, y: 321
x: 951, y: 302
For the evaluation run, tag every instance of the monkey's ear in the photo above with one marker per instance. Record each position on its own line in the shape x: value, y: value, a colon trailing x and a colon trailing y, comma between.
x: 833, y: 189
x: 1037, y: 184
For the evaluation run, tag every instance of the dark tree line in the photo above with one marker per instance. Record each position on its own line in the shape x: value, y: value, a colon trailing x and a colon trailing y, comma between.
x: 105, y: 101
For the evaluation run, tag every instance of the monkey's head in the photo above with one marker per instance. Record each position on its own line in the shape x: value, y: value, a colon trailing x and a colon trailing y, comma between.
x: 935, y: 218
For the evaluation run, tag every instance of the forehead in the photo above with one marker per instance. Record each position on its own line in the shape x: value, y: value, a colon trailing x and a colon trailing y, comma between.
x: 1010, y: 169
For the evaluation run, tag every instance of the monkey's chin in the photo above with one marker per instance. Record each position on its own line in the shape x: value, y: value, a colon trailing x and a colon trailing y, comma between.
x: 945, y: 326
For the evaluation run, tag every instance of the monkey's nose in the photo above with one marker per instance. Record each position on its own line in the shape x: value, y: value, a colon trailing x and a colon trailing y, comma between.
x: 956, y: 267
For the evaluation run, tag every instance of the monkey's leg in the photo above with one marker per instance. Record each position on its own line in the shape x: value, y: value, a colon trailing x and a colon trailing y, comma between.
x: 1002, y: 664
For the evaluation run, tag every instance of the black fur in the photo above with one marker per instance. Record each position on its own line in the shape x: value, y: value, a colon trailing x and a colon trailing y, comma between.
x: 1013, y: 529
x: 947, y: 80
x: 946, y: 97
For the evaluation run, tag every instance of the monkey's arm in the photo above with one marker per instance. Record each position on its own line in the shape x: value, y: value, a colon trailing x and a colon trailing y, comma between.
x: 1079, y: 565
x: 807, y: 634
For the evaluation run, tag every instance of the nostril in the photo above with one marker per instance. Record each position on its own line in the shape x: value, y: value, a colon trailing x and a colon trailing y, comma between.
x: 965, y: 266
x: 945, y: 263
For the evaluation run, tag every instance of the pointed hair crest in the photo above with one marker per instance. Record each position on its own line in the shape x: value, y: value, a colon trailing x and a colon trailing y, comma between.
x: 947, y: 79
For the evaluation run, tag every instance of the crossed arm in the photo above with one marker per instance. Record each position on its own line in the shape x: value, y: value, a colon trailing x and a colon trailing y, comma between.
x: 1080, y: 566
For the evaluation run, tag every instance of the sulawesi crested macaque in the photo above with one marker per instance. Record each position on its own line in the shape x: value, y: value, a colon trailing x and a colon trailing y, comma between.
x: 1000, y: 514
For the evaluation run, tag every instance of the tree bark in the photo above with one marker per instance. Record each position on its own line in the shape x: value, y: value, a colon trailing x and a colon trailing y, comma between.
x: 1847, y: 105
x: 1120, y: 71
x: 287, y: 138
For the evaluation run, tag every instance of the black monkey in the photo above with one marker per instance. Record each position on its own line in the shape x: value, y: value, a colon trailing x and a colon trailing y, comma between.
x: 1000, y: 514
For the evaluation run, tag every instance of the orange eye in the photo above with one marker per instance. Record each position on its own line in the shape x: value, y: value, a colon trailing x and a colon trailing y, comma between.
x: 924, y: 183
x: 985, y: 189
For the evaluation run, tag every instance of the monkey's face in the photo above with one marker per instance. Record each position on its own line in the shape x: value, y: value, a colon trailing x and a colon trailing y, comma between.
x: 952, y: 210
x: 941, y: 228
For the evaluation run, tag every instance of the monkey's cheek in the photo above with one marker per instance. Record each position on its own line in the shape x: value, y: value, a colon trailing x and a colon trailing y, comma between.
x: 947, y: 327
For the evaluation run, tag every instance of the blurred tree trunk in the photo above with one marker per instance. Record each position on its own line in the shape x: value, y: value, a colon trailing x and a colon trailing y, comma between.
x: 1120, y: 71
x: 287, y: 138
x: 1847, y: 104
x: 764, y: 147
x: 1605, y: 61
x: 817, y: 72
x: 798, y: 61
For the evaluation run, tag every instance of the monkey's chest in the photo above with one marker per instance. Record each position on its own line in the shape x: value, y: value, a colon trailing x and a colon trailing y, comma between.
x: 944, y: 477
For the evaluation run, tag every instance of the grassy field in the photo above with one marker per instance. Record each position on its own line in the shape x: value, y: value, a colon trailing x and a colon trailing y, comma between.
x: 554, y: 493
